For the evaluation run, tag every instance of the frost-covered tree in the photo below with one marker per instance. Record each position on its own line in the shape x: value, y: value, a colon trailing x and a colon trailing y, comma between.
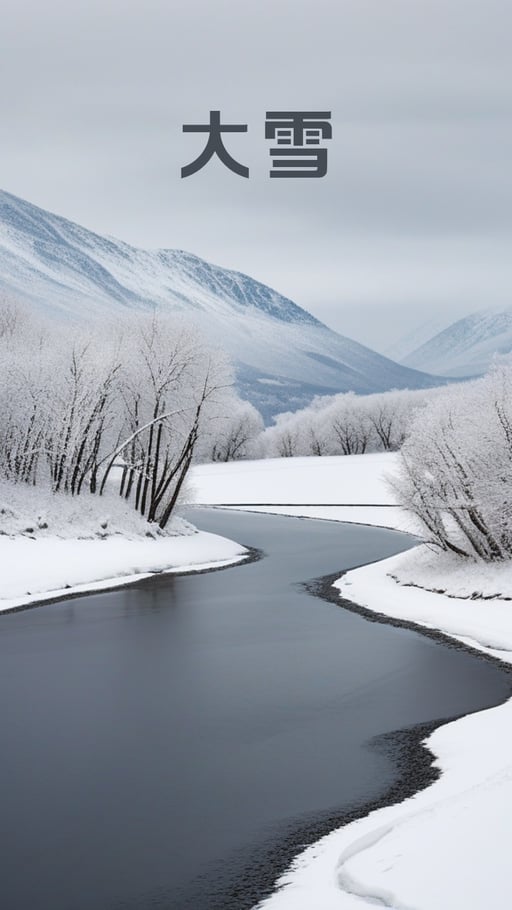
x: 234, y: 432
x: 13, y: 316
x: 456, y: 467
x: 114, y: 404
x: 172, y: 386
x: 82, y: 409
x: 389, y: 415
x: 290, y: 437
x: 345, y: 424
x: 25, y: 395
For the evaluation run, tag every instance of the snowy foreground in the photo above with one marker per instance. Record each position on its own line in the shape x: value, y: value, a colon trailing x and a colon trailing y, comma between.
x: 53, y: 546
x: 447, y: 847
x: 444, y: 849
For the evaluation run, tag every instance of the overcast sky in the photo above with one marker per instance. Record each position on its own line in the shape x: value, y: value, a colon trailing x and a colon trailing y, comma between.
x: 413, y: 221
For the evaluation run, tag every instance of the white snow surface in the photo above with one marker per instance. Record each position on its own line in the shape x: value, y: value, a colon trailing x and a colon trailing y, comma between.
x: 447, y: 847
x: 307, y: 487
x: 57, y: 545
x: 333, y: 479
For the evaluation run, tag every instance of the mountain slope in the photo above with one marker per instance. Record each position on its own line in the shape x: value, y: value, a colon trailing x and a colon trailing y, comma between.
x: 467, y: 346
x: 411, y: 340
x: 283, y: 355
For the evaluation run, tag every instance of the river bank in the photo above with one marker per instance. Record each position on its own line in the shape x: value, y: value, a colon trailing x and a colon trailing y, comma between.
x: 446, y: 847
x: 54, y: 546
x: 461, y: 821
x: 191, y: 733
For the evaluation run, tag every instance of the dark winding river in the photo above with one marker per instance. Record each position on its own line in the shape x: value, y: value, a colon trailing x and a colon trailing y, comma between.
x: 161, y: 745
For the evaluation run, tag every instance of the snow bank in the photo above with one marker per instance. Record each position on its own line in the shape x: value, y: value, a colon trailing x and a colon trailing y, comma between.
x: 56, y: 545
x: 37, y: 570
x: 447, y: 847
x: 37, y: 512
x: 471, y: 618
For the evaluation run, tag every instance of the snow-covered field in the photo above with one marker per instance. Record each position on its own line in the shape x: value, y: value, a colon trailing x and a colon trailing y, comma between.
x: 339, y: 488
x: 447, y: 847
x: 338, y: 479
x: 52, y: 546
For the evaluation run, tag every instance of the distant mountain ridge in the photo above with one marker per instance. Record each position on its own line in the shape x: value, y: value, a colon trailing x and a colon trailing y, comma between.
x: 283, y: 355
x: 414, y: 338
x: 466, y: 347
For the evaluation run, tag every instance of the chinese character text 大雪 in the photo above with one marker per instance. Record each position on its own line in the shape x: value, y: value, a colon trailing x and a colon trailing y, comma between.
x: 297, y: 135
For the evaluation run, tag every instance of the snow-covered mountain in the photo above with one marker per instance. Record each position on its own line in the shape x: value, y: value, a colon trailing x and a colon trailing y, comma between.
x: 410, y: 341
x: 467, y: 346
x: 283, y: 355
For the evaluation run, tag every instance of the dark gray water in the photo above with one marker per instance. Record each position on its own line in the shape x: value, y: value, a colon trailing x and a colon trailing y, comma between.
x: 158, y: 739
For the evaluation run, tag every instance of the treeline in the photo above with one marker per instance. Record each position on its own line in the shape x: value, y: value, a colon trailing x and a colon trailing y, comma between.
x: 455, y: 464
x: 346, y: 424
x: 127, y: 405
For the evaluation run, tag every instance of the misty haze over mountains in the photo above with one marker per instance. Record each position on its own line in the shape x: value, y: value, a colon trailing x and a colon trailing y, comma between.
x: 283, y: 355
x: 466, y: 347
